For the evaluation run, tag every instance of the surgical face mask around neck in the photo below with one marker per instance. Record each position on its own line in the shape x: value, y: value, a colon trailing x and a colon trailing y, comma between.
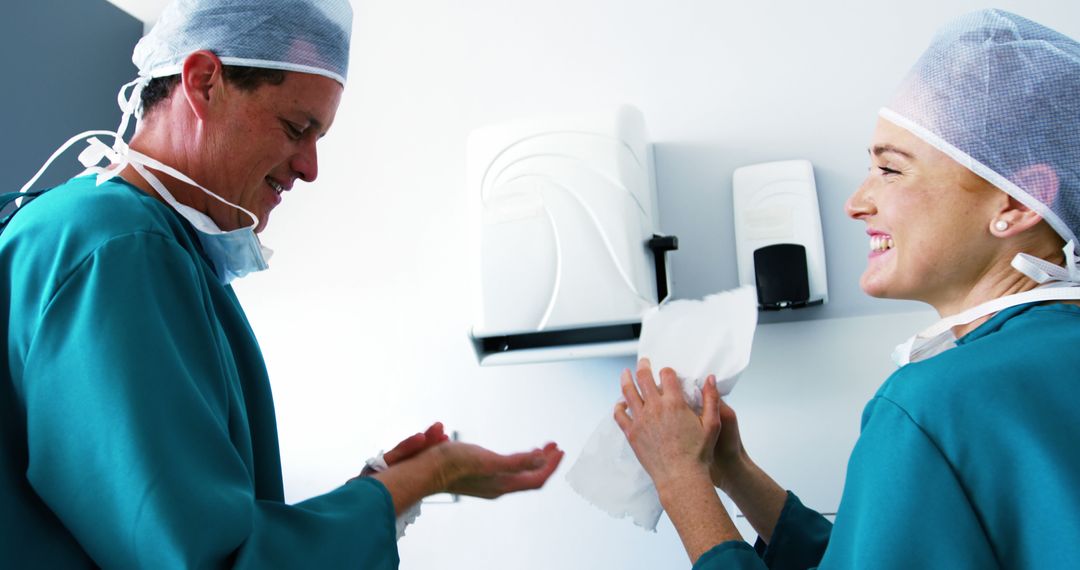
x: 234, y: 253
x: 939, y: 337
x: 922, y: 346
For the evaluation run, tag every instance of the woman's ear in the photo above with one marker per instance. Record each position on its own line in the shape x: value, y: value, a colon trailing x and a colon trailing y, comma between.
x: 1013, y: 219
x: 202, y: 72
x: 1013, y: 216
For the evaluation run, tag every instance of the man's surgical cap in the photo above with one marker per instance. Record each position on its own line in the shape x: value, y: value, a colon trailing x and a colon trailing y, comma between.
x: 310, y: 36
x: 1000, y: 94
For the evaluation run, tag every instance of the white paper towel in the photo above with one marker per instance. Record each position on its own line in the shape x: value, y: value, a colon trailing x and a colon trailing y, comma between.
x: 694, y: 338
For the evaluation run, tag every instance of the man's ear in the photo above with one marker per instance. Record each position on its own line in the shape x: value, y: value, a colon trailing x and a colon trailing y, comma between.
x: 202, y: 73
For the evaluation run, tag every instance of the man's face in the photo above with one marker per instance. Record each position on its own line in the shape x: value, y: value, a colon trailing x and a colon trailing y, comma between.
x: 262, y: 141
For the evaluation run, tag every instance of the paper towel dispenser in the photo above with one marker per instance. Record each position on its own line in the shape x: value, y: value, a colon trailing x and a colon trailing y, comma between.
x: 565, y: 220
x: 778, y: 235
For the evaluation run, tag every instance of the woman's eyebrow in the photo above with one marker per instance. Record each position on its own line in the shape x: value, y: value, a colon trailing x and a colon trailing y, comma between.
x: 881, y: 149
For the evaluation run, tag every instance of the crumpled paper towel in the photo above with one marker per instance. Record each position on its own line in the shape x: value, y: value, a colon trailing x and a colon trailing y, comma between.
x: 378, y: 464
x: 694, y: 338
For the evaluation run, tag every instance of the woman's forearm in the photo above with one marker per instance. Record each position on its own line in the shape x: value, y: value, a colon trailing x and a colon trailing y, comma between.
x: 696, y: 512
x: 758, y: 496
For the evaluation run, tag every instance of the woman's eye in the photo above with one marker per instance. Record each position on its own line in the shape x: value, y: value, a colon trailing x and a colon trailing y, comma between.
x: 886, y: 171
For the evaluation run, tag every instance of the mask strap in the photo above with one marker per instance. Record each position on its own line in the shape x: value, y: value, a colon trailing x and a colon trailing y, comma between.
x: 56, y: 154
x: 1049, y: 292
x: 129, y: 106
x: 137, y: 157
x: 1042, y: 271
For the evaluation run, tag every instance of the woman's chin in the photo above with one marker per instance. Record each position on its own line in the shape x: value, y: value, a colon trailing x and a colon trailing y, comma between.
x: 873, y: 285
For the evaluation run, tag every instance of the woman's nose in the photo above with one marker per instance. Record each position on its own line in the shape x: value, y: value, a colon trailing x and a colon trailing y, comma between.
x: 860, y: 204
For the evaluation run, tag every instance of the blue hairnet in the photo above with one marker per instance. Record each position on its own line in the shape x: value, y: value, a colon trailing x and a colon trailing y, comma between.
x: 1000, y: 94
x: 310, y: 36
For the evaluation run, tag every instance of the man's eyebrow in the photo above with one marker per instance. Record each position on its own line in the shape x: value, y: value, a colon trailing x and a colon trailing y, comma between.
x: 881, y: 149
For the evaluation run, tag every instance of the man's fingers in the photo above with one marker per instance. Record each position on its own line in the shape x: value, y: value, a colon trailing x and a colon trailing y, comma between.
x: 416, y: 443
x: 533, y: 478
x: 538, y: 459
x: 406, y: 449
x: 527, y: 480
x: 435, y: 433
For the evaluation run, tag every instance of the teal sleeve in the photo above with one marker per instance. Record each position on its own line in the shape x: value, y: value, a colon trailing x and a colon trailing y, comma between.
x: 730, y: 555
x: 903, y: 506
x: 799, y: 539
x: 131, y: 442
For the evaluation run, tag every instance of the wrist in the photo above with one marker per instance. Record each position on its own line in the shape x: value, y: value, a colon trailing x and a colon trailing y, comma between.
x: 737, y: 474
x: 682, y: 482
x: 441, y: 468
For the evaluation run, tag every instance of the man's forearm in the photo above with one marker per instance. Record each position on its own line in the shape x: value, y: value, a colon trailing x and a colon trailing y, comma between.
x: 411, y: 480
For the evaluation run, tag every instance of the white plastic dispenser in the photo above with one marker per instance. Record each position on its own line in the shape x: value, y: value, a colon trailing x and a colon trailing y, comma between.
x: 566, y: 227
x: 778, y: 234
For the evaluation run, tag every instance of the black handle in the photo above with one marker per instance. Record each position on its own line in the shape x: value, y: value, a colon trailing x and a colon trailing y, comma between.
x: 660, y: 245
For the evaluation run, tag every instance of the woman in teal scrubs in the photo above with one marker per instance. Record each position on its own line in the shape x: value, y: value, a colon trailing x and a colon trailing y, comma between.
x: 968, y: 455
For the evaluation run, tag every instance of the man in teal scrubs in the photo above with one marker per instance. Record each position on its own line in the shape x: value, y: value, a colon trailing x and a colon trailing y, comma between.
x: 137, y: 424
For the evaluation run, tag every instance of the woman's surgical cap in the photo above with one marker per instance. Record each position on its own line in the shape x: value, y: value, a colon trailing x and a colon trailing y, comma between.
x: 1000, y: 94
x: 310, y: 36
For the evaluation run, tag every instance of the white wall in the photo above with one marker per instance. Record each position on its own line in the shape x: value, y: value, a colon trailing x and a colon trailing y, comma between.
x: 363, y: 318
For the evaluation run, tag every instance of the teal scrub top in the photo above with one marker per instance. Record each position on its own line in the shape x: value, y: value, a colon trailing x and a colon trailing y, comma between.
x: 137, y: 424
x: 970, y: 459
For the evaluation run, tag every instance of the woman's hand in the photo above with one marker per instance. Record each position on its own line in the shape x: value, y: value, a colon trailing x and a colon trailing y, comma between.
x: 676, y: 446
x: 670, y: 440
x: 729, y: 455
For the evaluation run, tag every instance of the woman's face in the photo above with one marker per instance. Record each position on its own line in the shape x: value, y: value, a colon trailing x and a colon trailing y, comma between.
x: 928, y: 220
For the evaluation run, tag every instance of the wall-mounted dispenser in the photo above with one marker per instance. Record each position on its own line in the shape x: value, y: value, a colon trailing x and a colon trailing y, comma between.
x: 778, y: 234
x: 565, y: 220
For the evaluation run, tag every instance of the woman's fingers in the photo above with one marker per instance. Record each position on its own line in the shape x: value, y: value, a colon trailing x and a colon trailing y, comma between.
x: 669, y: 383
x: 645, y: 380
x: 630, y: 392
x: 623, y: 419
x: 710, y: 407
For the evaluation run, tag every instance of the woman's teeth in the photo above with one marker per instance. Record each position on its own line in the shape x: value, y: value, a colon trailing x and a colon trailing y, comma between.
x: 880, y: 243
x: 277, y: 187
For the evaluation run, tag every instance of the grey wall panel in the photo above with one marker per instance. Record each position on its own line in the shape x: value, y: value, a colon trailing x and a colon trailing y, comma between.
x: 63, y: 63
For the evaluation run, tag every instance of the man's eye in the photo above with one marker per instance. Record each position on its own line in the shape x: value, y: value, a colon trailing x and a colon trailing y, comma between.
x: 888, y: 171
x: 292, y: 130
